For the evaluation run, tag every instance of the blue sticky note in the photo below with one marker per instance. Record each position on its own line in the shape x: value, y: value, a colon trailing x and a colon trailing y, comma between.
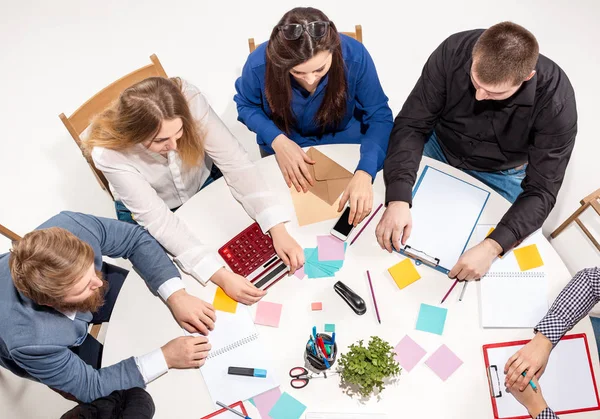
x: 329, y: 327
x: 252, y: 402
x: 313, y: 271
x: 431, y: 319
x: 287, y: 407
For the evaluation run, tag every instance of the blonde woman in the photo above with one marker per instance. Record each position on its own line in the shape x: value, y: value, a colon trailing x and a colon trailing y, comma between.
x: 156, y: 146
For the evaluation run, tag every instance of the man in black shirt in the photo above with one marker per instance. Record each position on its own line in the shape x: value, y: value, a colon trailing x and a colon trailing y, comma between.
x: 489, y: 104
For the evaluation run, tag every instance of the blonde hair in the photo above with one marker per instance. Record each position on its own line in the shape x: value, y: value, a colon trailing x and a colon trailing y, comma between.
x: 46, y: 263
x: 136, y: 116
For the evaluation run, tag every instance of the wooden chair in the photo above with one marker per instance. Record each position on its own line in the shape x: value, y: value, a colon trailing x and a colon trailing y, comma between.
x: 592, y: 200
x: 9, y: 234
x: 81, y: 118
x: 357, y: 34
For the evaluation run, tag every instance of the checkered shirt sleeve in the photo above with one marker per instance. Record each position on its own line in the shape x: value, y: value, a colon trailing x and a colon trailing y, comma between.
x: 572, y: 304
x: 547, y: 413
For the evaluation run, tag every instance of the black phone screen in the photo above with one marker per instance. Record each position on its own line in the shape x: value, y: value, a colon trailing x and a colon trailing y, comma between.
x: 342, y: 225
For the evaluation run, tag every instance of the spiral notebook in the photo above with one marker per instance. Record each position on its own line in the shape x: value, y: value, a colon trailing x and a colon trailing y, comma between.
x: 236, y: 343
x: 511, y: 297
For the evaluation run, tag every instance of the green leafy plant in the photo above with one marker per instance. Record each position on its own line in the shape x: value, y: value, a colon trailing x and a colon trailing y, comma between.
x: 366, y: 368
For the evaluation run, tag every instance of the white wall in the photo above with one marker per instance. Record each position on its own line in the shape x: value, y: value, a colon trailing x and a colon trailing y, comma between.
x: 57, y: 54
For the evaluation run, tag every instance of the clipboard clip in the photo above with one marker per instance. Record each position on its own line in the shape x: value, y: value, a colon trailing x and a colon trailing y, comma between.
x: 420, y: 256
x: 494, y: 381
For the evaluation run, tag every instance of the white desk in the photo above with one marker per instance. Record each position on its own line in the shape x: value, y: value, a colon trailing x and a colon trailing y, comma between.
x: 141, y: 322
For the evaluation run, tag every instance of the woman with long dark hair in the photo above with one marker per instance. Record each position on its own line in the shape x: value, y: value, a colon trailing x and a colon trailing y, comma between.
x: 310, y: 85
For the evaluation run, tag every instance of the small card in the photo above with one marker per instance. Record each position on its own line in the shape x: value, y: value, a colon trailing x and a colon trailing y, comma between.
x: 330, y: 248
x: 431, y: 319
x: 287, y: 407
x: 408, y: 353
x: 444, y: 362
x: 316, y: 306
x: 300, y: 273
x: 268, y: 314
x: 404, y: 273
x: 264, y: 402
x: 329, y: 328
x: 223, y: 302
x: 528, y: 257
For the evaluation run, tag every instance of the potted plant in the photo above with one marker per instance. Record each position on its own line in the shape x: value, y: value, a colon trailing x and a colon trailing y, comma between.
x: 366, y: 369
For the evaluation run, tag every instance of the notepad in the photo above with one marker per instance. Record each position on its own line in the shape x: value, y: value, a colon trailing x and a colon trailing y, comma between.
x: 404, y: 273
x: 223, y: 302
x: 236, y: 342
x: 528, y: 257
x: 568, y: 384
x: 443, y: 362
x: 408, y: 353
x: 287, y: 407
x: 431, y: 319
x: 445, y: 211
x: 268, y: 314
x: 505, y: 282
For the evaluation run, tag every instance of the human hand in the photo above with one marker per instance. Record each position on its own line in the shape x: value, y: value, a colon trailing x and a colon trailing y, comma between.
x: 395, y: 224
x: 287, y: 248
x: 476, y: 261
x: 186, y: 352
x: 237, y: 287
x: 292, y: 161
x: 193, y: 314
x: 359, y: 193
x: 531, y: 358
x: 530, y: 398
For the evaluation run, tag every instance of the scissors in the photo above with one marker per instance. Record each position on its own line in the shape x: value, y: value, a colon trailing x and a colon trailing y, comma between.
x: 301, y: 376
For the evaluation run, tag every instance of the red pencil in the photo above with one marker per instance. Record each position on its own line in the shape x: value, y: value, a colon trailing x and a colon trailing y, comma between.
x: 374, y: 300
x: 449, y: 291
x: 367, y: 223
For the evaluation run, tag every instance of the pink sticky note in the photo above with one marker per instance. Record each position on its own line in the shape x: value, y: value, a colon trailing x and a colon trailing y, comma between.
x: 444, y: 362
x: 268, y: 314
x: 330, y: 248
x: 300, y: 273
x: 408, y: 353
x: 316, y: 306
x: 264, y: 402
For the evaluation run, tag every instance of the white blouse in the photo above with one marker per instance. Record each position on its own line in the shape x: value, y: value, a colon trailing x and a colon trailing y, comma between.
x: 150, y: 184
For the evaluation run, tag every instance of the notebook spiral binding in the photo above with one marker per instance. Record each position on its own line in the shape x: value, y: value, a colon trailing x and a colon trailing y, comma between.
x: 232, y: 346
x: 515, y: 274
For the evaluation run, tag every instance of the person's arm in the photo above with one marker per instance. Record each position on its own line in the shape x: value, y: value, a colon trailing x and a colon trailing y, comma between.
x: 242, y: 176
x: 117, y: 239
x: 60, y: 368
x: 251, y: 102
x: 572, y: 304
x: 377, y: 115
x: 413, y: 124
x: 549, y: 152
x: 152, y: 213
x: 547, y: 413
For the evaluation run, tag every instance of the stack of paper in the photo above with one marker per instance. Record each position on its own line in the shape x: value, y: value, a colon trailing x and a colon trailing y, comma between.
x: 326, y: 259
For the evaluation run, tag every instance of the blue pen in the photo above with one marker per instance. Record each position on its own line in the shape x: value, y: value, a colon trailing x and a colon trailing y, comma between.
x: 315, y: 332
x: 333, y: 338
x: 533, y: 386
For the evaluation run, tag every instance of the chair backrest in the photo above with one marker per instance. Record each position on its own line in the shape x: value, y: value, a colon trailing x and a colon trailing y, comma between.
x: 81, y: 118
x: 357, y: 34
x: 9, y: 234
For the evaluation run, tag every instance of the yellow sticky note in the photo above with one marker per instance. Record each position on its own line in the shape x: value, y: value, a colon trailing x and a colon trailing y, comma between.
x: 404, y: 273
x: 528, y: 257
x: 490, y: 232
x: 222, y: 302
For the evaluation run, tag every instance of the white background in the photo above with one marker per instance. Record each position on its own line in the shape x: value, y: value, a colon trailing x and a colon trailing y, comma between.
x: 57, y: 54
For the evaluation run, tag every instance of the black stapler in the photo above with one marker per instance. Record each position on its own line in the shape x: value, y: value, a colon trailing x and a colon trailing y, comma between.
x: 354, y: 301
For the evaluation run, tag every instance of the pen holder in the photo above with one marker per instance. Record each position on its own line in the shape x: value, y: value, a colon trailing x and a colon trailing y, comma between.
x: 315, y: 360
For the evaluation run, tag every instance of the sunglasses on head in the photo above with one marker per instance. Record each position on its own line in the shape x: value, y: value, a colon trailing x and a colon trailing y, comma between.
x: 293, y: 31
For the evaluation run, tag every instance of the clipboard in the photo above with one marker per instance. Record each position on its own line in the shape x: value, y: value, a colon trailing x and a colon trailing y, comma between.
x: 570, y: 362
x: 220, y: 411
x: 445, y: 212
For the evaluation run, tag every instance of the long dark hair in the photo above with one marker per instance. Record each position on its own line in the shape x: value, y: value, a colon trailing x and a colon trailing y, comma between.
x: 283, y: 55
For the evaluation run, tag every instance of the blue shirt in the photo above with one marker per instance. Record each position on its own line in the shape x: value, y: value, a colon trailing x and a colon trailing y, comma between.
x: 368, y: 120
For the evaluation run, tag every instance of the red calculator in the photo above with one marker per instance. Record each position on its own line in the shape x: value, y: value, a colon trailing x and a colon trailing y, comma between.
x: 252, y: 255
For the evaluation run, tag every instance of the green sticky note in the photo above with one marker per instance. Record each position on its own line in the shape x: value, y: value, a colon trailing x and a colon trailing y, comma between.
x: 329, y: 327
x: 287, y: 407
x: 431, y: 319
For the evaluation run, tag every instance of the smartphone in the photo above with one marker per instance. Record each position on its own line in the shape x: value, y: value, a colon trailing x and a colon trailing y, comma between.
x: 342, y: 228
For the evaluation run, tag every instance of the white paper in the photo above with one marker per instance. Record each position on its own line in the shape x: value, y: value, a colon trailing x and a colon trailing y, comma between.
x: 445, y: 211
x: 236, y: 343
x: 566, y: 384
x: 509, y: 296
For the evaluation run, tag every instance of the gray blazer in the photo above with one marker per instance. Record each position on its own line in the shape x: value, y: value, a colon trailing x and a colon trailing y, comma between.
x: 35, y: 339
